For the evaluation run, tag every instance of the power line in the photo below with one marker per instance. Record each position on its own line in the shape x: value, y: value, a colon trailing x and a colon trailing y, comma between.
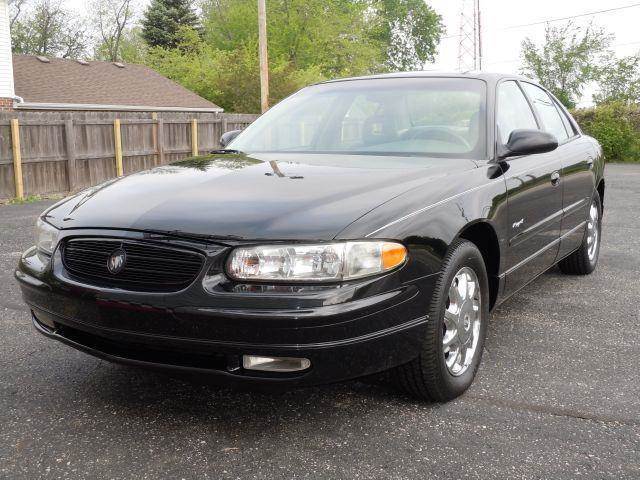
x: 597, y: 12
x: 625, y: 44
x: 551, y: 20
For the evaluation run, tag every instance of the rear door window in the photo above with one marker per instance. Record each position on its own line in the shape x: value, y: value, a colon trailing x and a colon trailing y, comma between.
x: 546, y: 108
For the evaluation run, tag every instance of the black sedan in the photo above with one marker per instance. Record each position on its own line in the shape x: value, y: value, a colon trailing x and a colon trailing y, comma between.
x: 360, y: 225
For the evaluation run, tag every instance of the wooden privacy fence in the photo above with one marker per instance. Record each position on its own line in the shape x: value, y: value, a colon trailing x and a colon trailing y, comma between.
x: 53, y: 152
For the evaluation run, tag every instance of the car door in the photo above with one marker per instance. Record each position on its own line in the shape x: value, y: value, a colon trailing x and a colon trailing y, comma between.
x: 577, y: 179
x: 534, y: 195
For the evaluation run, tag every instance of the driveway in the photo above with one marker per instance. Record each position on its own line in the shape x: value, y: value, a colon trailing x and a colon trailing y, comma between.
x: 557, y: 396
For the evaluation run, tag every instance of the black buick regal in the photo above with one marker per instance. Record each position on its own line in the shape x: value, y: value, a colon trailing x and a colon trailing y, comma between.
x: 359, y: 226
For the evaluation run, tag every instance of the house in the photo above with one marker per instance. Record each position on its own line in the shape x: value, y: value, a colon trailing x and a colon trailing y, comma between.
x: 6, y: 72
x: 43, y: 83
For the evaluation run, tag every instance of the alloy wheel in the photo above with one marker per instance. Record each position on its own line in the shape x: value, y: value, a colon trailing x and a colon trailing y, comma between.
x: 462, y: 317
x: 593, y: 231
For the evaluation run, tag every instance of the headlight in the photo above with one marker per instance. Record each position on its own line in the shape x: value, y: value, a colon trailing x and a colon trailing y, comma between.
x: 46, y: 237
x: 329, y: 262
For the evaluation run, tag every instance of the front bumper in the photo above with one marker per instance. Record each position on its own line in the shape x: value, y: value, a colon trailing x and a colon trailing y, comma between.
x: 346, y: 331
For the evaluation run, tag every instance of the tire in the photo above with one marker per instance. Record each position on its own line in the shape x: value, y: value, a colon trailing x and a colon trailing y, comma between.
x: 428, y: 376
x: 585, y: 259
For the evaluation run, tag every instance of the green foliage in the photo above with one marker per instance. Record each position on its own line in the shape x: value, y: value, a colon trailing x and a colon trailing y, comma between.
x: 619, y: 80
x: 320, y: 33
x: 341, y: 37
x: 30, y: 199
x: 165, y: 19
x: 409, y: 30
x: 229, y: 78
x: 567, y: 61
x: 133, y: 48
x: 616, y: 126
x: 309, y: 40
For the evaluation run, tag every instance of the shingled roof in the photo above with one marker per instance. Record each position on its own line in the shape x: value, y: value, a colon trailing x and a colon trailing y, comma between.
x: 56, y: 83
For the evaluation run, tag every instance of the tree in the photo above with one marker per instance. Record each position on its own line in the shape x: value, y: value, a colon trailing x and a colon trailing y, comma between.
x: 619, y: 81
x: 341, y: 37
x: 133, y: 48
x: 309, y: 41
x: 568, y: 59
x: 409, y: 29
x: 213, y: 73
x: 49, y: 30
x: 164, y: 20
x: 15, y: 9
x: 112, y: 18
x: 329, y: 34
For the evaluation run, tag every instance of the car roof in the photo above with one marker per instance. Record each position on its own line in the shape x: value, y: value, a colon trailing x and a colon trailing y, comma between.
x: 489, y: 77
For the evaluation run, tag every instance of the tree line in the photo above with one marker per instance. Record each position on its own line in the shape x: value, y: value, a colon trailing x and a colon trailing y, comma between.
x: 572, y: 58
x: 212, y: 49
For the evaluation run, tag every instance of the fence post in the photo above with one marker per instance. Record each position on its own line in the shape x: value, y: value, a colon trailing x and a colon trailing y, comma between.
x: 70, y: 139
x: 161, y: 140
x: 117, y: 135
x: 17, y: 158
x: 194, y: 137
x: 154, y: 133
x: 223, y: 127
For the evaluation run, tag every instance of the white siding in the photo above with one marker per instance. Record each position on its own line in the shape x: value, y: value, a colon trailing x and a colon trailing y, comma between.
x: 6, y: 66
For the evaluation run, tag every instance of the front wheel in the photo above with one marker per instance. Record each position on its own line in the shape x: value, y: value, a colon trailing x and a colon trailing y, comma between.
x: 456, y: 329
x: 584, y: 260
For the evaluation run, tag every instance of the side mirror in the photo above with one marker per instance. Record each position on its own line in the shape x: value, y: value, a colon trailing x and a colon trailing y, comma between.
x: 529, y: 142
x: 227, y: 137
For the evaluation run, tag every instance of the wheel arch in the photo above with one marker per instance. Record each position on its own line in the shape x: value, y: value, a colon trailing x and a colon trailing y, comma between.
x: 483, y: 235
x: 600, y: 190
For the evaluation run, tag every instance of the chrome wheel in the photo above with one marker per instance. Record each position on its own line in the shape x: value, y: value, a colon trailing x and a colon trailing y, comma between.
x: 462, y: 317
x: 593, y: 231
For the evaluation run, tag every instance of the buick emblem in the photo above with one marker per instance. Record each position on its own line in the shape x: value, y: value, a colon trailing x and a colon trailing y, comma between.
x: 116, y: 261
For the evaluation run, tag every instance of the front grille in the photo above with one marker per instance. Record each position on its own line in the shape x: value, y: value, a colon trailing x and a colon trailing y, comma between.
x: 148, y: 267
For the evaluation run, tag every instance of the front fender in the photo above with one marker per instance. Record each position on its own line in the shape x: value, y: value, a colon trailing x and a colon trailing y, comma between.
x: 430, y: 218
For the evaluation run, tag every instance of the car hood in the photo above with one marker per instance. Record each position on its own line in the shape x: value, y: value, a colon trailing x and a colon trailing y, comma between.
x: 241, y: 197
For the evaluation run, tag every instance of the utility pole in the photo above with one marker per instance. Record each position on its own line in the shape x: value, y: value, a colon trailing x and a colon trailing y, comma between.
x: 264, y: 60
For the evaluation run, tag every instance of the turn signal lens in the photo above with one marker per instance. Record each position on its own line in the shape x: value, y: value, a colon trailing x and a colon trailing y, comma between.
x: 393, y: 254
x: 329, y: 262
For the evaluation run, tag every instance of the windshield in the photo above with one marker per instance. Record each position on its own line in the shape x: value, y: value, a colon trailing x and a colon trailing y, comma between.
x: 438, y: 117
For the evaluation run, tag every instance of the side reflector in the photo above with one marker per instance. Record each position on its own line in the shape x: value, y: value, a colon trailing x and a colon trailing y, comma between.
x: 275, y: 364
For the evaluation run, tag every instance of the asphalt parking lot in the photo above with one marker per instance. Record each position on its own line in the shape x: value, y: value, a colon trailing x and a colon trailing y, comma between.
x: 557, y: 396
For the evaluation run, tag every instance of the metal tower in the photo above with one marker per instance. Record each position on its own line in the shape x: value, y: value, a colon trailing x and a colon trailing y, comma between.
x: 470, y: 38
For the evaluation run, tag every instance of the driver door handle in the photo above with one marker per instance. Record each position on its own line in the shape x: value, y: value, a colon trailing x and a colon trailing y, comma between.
x: 555, y: 178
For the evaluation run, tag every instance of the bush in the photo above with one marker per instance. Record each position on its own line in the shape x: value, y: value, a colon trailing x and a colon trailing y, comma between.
x: 616, y: 126
x: 228, y: 78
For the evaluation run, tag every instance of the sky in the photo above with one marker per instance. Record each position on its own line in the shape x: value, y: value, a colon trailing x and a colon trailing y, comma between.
x: 502, y: 34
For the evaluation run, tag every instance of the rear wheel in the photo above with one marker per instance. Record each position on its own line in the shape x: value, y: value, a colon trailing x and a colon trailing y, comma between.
x: 456, y: 329
x: 584, y: 260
